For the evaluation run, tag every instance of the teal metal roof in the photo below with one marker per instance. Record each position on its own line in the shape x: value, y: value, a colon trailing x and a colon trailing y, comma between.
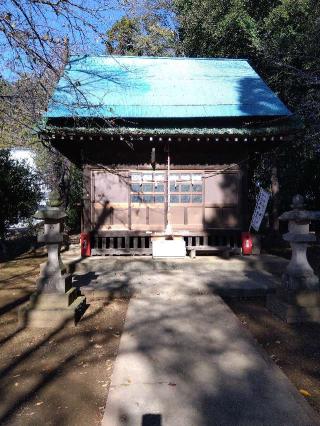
x: 164, y: 88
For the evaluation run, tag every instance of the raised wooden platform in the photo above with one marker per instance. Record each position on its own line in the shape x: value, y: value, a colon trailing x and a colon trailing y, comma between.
x: 139, y: 243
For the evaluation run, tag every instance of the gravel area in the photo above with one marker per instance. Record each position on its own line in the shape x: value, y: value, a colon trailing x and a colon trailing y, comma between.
x: 54, y: 376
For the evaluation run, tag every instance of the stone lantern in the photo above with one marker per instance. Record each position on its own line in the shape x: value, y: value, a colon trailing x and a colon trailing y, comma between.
x: 56, y: 301
x: 298, y: 299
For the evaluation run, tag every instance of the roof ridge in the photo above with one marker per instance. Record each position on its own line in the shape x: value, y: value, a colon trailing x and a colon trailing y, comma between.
x: 184, y: 58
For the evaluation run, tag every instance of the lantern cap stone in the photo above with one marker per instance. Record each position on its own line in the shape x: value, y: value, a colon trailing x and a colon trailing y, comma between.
x: 298, y: 214
x: 50, y: 213
x: 299, y: 238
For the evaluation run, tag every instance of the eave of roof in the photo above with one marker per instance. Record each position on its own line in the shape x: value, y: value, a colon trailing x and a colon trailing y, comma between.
x: 287, y: 127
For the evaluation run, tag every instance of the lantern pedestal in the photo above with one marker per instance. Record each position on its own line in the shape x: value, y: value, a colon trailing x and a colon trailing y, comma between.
x: 298, y: 299
x: 56, y: 302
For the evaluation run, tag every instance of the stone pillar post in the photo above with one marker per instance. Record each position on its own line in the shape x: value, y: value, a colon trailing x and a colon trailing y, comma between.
x: 298, y: 299
x: 52, y: 273
x: 56, y: 302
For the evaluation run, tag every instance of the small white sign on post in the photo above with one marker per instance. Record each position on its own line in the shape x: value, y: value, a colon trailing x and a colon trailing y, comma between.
x: 260, y: 209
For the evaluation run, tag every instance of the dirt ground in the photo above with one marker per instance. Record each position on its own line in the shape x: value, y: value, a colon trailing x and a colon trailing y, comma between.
x: 61, y: 376
x: 294, y: 348
x: 53, y: 376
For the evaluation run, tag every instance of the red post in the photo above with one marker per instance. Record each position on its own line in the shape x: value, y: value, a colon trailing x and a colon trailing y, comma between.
x: 246, y: 241
x: 85, y: 244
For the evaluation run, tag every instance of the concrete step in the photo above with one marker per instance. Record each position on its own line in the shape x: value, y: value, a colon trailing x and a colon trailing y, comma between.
x: 73, y: 293
x: 78, y: 303
x: 68, y: 281
x: 78, y: 306
x: 193, y: 281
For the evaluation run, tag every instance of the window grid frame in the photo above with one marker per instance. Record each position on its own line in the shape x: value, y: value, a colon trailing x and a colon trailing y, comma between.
x: 179, y: 193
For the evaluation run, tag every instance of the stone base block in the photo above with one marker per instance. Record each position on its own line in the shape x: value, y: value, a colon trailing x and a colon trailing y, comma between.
x: 49, y: 313
x: 62, y: 283
x: 43, y: 266
x: 304, y: 298
x: 300, y: 280
x: 293, y: 313
x: 58, y: 300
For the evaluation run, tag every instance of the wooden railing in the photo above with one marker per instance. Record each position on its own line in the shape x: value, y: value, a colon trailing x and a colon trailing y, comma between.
x: 139, y: 243
x: 121, y: 244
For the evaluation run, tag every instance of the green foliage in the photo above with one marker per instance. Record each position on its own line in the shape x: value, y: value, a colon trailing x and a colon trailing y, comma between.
x: 19, y: 192
x: 137, y: 36
x: 122, y: 37
x: 298, y: 172
x: 291, y: 64
x: 289, y: 29
x: 65, y: 179
x: 217, y: 28
x: 73, y: 210
x: 281, y: 39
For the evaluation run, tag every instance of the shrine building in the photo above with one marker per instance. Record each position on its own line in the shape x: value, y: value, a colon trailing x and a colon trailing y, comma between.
x: 163, y: 144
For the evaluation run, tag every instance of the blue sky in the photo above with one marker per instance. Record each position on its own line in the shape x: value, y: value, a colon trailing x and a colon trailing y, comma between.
x: 88, y: 43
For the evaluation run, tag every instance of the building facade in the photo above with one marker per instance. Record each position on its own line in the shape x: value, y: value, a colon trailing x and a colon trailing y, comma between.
x: 164, y: 144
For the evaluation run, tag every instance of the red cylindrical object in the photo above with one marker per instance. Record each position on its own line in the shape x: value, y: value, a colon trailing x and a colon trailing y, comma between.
x: 246, y: 241
x: 85, y: 244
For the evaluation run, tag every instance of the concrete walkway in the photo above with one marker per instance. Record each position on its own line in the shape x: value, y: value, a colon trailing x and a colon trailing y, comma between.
x: 184, y: 359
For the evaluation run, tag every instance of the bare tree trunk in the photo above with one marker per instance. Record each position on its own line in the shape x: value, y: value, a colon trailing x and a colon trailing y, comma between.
x: 66, y: 50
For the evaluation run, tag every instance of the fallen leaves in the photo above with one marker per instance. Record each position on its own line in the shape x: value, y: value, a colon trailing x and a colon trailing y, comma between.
x: 305, y: 392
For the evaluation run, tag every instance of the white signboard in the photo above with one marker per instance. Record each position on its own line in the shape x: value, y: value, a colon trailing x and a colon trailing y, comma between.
x: 260, y: 209
x: 168, y: 248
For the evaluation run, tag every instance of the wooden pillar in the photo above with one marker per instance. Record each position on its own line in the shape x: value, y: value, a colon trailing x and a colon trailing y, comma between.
x: 243, y: 205
x: 275, y: 200
x: 87, y: 201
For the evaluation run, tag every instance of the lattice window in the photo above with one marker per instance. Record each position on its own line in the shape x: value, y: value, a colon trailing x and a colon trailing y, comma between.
x: 148, y: 188
x: 186, y: 188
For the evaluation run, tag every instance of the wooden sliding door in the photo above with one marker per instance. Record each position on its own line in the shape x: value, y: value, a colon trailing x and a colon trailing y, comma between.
x: 137, y: 200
